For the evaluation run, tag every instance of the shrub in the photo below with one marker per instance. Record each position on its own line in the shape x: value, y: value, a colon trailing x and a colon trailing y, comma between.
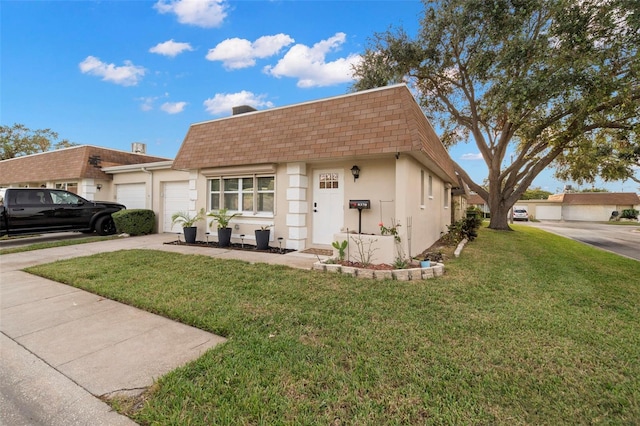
x: 134, y: 221
x: 629, y: 214
x: 464, y: 228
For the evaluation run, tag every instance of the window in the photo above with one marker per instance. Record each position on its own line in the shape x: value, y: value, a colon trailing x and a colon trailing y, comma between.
x: 328, y: 180
x: 69, y: 186
x: 247, y: 194
x: 430, y: 186
x: 61, y: 197
x: 446, y: 197
x: 422, y: 187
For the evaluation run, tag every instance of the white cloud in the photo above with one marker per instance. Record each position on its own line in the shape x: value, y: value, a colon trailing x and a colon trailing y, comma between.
x: 201, y: 13
x: 170, y: 48
x: 224, y: 102
x: 241, y: 53
x: 472, y: 157
x: 308, y: 65
x: 126, y: 75
x: 147, y: 103
x: 173, y: 107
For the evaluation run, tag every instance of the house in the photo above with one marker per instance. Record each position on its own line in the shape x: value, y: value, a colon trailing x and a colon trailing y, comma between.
x: 79, y: 169
x: 582, y: 206
x: 303, y: 169
x: 475, y: 200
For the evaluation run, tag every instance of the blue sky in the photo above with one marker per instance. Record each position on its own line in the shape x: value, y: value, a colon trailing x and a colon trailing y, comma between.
x: 109, y: 73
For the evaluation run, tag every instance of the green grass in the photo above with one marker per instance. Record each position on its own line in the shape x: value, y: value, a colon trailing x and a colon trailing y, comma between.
x: 45, y: 245
x: 525, y: 328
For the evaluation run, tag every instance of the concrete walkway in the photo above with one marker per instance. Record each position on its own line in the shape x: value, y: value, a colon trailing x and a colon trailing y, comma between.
x: 62, y: 348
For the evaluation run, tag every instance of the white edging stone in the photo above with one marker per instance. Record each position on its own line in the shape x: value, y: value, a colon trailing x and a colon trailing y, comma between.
x: 413, y: 274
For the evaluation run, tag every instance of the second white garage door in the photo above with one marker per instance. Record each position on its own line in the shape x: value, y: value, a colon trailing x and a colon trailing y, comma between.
x: 132, y: 195
x: 176, y: 199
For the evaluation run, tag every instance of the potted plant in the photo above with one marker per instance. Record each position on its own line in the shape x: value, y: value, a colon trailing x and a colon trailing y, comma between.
x: 262, y: 237
x: 188, y: 224
x: 222, y: 217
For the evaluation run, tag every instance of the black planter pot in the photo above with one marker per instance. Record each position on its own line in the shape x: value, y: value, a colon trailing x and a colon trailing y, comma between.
x: 190, y: 234
x: 262, y: 239
x: 224, y: 237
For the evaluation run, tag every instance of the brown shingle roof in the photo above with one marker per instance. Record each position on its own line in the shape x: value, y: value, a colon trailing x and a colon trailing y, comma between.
x: 373, y: 122
x: 597, y: 198
x: 68, y: 163
x: 476, y: 199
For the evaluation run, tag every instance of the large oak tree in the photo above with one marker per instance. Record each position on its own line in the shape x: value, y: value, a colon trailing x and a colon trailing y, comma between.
x: 534, y: 83
x: 19, y: 140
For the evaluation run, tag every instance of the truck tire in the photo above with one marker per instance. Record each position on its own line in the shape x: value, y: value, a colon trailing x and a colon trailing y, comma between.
x: 105, y: 226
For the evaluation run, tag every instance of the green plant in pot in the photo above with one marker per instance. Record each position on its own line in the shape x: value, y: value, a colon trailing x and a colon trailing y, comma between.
x: 222, y: 218
x: 188, y: 223
x: 262, y: 237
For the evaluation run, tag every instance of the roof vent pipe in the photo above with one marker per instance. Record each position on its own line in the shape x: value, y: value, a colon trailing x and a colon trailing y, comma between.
x: 242, y: 109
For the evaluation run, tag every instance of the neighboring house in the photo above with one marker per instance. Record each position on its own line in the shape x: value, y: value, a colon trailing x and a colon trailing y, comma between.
x: 294, y: 168
x: 582, y: 206
x: 78, y: 169
x: 476, y: 200
x: 154, y: 186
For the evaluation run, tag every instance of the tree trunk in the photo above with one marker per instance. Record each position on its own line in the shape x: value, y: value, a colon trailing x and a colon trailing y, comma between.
x: 500, y: 218
x: 499, y: 212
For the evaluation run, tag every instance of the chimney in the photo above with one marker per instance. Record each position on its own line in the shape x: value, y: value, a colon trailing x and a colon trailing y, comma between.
x: 139, y: 148
x: 242, y: 109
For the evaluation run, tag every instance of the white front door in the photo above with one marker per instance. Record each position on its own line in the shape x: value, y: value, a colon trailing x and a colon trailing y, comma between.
x: 328, y: 204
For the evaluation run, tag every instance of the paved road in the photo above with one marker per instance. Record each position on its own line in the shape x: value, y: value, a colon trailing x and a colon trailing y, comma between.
x: 621, y: 239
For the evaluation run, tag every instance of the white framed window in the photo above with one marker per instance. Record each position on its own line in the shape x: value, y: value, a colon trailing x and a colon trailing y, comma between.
x: 446, y: 197
x: 247, y: 194
x: 430, y: 187
x: 422, y: 179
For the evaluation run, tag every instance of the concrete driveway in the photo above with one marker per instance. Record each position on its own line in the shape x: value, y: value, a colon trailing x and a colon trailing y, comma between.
x: 620, y: 239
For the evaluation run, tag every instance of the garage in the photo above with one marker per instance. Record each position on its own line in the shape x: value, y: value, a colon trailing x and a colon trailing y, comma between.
x: 176, y: 199
x: 548, y: 212
x: 132, y: 195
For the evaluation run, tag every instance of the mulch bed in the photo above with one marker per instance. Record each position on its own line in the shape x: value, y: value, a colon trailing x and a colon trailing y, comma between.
x: 233, y: 246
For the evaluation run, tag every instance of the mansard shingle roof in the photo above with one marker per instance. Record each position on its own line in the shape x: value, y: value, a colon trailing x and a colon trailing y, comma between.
x: 369, y: 123
x: 69, y: 163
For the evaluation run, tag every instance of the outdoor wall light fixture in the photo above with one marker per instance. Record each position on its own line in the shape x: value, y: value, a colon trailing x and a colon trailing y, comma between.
x: 355, y: 171
x: 99, y: 186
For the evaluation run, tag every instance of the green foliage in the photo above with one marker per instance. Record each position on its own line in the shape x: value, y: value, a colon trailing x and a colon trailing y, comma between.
x: 629, y: 214
x: 18, y: 140
x: 541, y: 81
x: 464, y: 228
x: 553, y: 341
x: 186, y: 219
x: 134, y: 221
x: 341, y: 247
x: 535, y: 194
x: 222, y: 218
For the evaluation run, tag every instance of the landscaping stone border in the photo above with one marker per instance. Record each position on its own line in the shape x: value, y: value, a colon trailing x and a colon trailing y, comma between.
x: 410, y: 274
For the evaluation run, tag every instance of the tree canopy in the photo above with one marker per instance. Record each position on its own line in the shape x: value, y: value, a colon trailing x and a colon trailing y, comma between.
x: 18, y: 140
x: 533, y: 83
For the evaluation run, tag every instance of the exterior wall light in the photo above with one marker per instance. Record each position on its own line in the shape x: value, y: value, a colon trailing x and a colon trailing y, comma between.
x: 355, y: 171
x: 99, y: 186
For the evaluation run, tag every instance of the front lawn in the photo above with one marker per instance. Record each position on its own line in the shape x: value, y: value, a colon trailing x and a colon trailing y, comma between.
x: 525, y: 328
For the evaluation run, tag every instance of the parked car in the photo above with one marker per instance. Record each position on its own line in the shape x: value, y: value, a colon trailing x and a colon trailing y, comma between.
x: 42, y: 210
x: 520, y: 214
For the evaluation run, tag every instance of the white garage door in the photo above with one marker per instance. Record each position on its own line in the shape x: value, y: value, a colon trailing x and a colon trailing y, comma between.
x: 549, y: 212
x: 176, y: 199
x: 132, y: 195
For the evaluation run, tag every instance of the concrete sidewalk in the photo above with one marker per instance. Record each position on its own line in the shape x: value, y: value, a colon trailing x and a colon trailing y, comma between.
x: 62, y: 347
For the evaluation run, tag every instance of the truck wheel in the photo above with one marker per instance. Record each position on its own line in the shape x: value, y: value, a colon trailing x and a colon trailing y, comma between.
x: 105, y: 226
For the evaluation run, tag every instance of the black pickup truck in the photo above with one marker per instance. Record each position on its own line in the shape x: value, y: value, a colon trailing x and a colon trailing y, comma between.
x: 41, y: 210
